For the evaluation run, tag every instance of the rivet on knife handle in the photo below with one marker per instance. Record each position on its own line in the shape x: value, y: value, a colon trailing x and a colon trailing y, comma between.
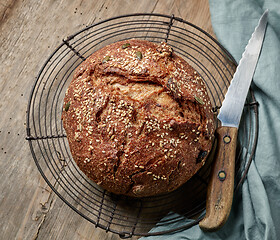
x: 221, y: 186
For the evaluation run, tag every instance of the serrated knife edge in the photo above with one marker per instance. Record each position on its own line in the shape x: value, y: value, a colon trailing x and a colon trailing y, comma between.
x: 233, y: 104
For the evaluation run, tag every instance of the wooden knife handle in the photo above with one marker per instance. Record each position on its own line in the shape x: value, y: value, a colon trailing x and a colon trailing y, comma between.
x: 221, y: 185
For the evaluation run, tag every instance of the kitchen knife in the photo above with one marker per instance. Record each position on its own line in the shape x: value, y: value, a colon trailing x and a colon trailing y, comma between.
x: 221, y: 185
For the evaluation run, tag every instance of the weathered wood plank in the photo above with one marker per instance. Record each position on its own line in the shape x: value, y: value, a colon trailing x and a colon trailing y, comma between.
x: 30, y: 30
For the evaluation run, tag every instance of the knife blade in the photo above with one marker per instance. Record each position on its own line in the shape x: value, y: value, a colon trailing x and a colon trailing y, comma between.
x: 221, y: 185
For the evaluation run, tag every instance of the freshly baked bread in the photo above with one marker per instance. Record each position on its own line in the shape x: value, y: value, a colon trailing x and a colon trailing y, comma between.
x: 138, y: 118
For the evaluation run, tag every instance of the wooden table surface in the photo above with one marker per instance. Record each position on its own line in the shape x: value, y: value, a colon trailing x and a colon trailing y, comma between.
x: 30, y: 31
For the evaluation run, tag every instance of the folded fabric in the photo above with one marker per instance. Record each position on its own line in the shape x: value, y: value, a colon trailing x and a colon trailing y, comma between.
x: 255, y: 212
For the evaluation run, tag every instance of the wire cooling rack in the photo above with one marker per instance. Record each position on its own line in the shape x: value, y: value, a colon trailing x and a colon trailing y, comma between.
x: 122, y: 215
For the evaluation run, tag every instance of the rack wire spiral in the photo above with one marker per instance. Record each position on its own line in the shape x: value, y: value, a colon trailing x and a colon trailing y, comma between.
x: 49, y: 147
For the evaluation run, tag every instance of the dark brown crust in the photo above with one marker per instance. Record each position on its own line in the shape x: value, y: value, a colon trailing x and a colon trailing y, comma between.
x: 138, y: 126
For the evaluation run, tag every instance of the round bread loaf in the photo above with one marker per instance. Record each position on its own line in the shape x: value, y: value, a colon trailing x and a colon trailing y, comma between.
x: 138, y: 118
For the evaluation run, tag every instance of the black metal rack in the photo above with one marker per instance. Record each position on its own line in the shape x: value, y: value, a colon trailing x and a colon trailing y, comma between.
x: 49, y: 147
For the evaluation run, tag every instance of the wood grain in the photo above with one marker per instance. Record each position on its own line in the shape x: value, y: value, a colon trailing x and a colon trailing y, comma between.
x: 221, y: 185
x: 30, y: 30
